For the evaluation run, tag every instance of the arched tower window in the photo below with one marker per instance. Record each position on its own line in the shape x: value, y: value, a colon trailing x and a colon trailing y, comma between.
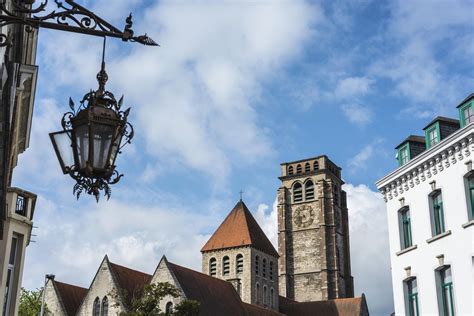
x: 213, y: 266
x: 240, y: 263
x: 307, y: 167
x: 264, y: 269
x: 169, y: 308
x: 290, y: 170
x: 272, y: 300
x: 315, y: 166
x: 297, y: 192
x: 256, y: 265
x: 309, y: 190
x: 96, y: 307
x: 264, y: 295
x: 298, y: 168
x: 105, y: 306
x: 257, y: 293
x: 225, y: 265
x: 271, y: 270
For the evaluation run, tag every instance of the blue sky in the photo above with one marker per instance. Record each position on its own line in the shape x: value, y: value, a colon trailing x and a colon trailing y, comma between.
x: 235, y: 89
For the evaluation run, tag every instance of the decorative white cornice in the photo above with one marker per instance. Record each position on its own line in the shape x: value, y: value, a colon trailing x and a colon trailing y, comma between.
x: 425, y: 166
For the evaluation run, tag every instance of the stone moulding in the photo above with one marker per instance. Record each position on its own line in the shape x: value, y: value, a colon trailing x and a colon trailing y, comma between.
x: 455, y: 148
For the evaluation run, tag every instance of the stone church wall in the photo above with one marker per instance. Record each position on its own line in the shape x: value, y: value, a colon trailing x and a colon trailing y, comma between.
x: 52, y: 301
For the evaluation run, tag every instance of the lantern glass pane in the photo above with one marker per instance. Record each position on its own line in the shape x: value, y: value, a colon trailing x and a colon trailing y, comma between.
x: 115, y: 149
x: 103, y: 136
x: 82, y: 140
x: 62, y: 145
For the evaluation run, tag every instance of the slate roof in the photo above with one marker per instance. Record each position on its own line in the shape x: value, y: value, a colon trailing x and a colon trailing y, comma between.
x: 444, y: 120
x: 217, y: 297
x: 412, y: 138
x: 240, y: 229
x: 356, y: 306
x: 471, y: 96
x: 71, y: 296
x: 131, y: 281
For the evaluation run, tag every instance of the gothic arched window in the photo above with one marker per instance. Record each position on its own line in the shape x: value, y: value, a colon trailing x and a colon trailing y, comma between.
x: 256, y: 265
x: 257, y: 292
x: 264, y: 295
x: 225, y: 265
x: 264, y: 264
x: 105, y: 306
x: 290, y: 170
x: 298, y: 168
x: 169, y: 308
x: 271, y: 270
x: 213, y: 266
x: 309, y: 190
x: 271, y: 298
x: 96, y: 307
x: 240, y: 263
x: 297, y: 192
x: 316, y: 166
x: 307, y: 167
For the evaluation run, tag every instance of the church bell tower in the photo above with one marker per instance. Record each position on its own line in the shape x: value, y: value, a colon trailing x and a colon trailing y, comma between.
x: 313, y: 232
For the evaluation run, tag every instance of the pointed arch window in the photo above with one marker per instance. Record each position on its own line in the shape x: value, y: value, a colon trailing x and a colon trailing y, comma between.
x: 264, y: 295
x: 96, y: 307
x: 240, y: 263
x: 105, y: 306
x: 264, y: 265
x: 290, y: 170
x: 307, y: 167
x: 169, y: 308
x: 257, y: 292
x: 297, y: 192
x: 213, y: 266
x: 271, y: 270
x: 309, y: 190
x: 225, y: 266
x: 256, y: 265
x: 272, y: 300
x: 315, y: 166
x: 298, y: 169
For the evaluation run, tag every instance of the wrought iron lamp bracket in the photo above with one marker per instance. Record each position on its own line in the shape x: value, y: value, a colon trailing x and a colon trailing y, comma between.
x: 69, y: 16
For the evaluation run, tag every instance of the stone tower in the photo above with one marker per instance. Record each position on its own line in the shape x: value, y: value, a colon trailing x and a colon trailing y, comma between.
x: 313, y: 232
x: 240, y: 252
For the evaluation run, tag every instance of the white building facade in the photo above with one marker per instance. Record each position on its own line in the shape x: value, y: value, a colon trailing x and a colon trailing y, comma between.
x: 430, y: 206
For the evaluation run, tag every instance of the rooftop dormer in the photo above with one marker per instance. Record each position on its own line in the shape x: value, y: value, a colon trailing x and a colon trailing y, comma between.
x: 409, y: 149
x: 466, y: 110
x: 438, y: 129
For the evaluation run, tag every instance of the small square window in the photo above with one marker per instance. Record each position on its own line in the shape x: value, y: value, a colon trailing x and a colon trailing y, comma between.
x: 468, y: 115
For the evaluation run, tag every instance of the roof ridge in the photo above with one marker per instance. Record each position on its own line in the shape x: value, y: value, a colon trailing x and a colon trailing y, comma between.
x: 72, y: 285
x: 130, y: 269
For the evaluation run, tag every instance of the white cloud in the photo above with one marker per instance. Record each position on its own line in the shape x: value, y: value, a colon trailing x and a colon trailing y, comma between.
x: 268, y: 221
x: 360, y: 160
x: 353, y: 87
x: 370, y: 257
x: 357, y: 114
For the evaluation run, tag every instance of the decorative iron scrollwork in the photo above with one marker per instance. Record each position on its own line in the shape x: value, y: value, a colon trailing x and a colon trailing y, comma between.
x: 69, y: 16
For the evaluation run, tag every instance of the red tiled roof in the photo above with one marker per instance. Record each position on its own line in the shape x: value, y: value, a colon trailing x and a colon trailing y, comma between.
x: 356, y: 306
x: 217, y: 297
x: 71, y: 296
x: 131, y: 281
x: 240, y: 229
x: 254, y: 310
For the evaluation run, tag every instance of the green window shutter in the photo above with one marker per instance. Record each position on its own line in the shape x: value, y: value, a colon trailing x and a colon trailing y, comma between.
x: 466, y: 114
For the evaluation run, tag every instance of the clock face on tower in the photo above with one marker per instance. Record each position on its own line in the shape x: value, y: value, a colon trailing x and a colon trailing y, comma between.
x: 304, y: 216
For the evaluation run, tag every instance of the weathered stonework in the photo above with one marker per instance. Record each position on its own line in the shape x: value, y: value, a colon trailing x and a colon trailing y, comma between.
x: 313, y: 233
x: 103, y: 285
x: 52, y: 300
x: 164, y: 274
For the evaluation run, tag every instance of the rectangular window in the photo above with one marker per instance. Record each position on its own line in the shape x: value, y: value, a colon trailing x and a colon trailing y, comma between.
x: 403, y: 155
x: 20, y: 205
x: 468, y: 115
x: 10, y: 276
x: 470, y: 196
x: 445, y: 289
x: 405, y: 228
x: 411, y: 297
x: 432, y: 136
x: 437, y: 213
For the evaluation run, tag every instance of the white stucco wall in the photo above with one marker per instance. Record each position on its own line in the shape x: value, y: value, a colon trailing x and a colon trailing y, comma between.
x: 413, y: 183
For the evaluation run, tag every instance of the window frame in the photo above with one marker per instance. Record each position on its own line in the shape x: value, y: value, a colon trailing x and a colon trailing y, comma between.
x: 461, y: 113
x: 300, y: 187
x: 225, y: 265
x: 239, y: 263
x: 309, y: 190
x: 10, y: 278
x: 212, y: 266
x: 438, y: 222
x: 96, y: 307
x: 104, y: 309
x: 410, y: 296
x: 446, y: 307
x: 469, y: 188
x: 432, y: 128
x: 402, y: 149
x: 404, y: 226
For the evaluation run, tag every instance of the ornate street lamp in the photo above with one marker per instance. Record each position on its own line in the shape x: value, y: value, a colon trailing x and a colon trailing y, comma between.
x: 92, y: 137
